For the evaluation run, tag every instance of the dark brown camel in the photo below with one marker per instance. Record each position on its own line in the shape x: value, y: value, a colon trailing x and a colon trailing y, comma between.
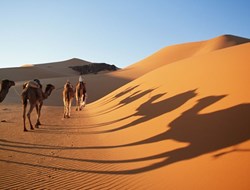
x: 80, y: 95
x: 68, y: 95
x: 35, y: 96
x: 5, y: 86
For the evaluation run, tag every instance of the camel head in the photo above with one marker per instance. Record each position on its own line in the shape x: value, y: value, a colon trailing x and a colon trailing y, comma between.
x: 49, y: 89
x: 68, y: 85
x: 6, y: 84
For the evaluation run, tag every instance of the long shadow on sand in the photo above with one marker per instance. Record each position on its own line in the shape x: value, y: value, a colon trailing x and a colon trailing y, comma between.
x: 151, y: 109
x: 204, y: 133
x: 129, y: 99
x: 126, y: 91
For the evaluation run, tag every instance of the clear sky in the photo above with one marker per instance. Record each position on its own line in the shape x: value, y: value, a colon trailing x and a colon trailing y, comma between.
x: 119, y: 32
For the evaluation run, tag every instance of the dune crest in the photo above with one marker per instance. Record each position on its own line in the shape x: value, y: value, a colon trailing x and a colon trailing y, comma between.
x: 221, y: 42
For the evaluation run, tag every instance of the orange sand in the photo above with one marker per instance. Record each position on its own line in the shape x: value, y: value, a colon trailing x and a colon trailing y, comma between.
x: 178, y: 119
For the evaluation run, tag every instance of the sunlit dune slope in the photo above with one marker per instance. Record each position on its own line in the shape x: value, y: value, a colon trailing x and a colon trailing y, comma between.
x: 178, y: 52
x: 187, y: 122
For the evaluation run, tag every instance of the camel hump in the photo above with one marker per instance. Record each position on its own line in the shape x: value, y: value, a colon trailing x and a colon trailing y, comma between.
x: 32, y: 84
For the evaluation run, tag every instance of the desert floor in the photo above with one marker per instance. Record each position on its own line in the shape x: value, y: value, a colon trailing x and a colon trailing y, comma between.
x: 176, y: 120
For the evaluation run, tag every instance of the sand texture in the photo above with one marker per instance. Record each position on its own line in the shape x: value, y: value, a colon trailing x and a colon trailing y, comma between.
x: 179, y: 119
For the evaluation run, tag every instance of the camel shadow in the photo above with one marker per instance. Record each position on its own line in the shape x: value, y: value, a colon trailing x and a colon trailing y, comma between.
x: 122, y: 93
x: 209, y: 132
x: 204, y: 133
x: 151, y: 109
x: 129, y: 99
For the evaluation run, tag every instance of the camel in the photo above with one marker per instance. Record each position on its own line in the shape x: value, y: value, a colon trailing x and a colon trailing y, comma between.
x: 80, y: 95
x: 5, y: 86
x: 35, y: 96
x: 68, y: 95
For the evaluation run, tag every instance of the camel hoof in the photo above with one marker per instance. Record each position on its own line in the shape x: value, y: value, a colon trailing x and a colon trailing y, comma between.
x: 37, y: 126
x: 25, y: 130
x: 31, y: 127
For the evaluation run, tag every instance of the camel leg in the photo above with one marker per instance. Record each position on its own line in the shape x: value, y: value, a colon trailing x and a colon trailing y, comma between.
x: 24, y: 117
x: 83, y: 98
x: 69, y: 108
x: 65, y: 113
x: 82, y: 102
x: 66, y: 109
x: 28, y: 115
x: 38, y: 109
x: 77, y: 103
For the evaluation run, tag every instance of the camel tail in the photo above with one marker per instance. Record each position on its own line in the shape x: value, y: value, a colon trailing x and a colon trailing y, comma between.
x: 68, y: 96
x: 78, y: 93
x: 24, y: 98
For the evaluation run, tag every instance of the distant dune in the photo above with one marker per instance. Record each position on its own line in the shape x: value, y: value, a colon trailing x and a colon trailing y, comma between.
x: 27, y: 65
x: 178, y: 119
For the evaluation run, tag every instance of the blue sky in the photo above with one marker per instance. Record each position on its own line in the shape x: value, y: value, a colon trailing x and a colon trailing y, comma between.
x: 119, y: 32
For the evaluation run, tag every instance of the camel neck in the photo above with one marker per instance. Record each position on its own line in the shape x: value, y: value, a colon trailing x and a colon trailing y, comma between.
x: 46, y: 94
x: 3, y: 94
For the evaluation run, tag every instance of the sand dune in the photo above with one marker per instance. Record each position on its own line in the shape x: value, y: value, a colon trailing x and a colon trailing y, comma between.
x: 178, y: 52
x: 183, y: 125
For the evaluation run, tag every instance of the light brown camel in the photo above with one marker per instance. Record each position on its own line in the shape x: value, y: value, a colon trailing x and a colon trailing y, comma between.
x: 80, y: 95
x: 5, y: 86
x: 35, y: 96
x: 68, y: 95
